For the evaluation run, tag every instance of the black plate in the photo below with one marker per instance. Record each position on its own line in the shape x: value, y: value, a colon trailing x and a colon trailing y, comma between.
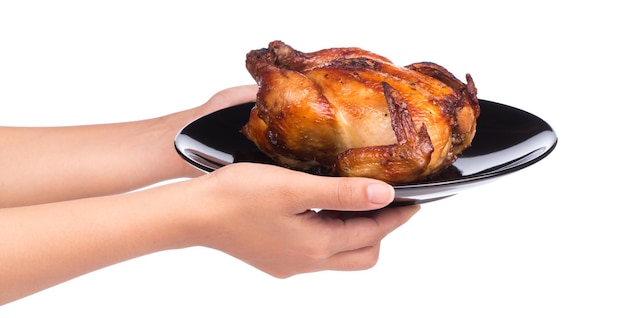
x: 507, y: 140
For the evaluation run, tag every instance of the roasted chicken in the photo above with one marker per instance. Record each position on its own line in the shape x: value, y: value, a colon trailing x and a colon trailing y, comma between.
x: 350, y: 112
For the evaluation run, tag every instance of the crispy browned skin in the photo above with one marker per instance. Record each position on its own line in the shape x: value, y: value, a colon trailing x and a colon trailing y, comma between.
x: 355, y: 113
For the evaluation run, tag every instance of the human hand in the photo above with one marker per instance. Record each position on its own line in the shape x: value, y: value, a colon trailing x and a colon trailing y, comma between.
x: 225, y: 98
x: 257, y: 213
x: 261, y: 214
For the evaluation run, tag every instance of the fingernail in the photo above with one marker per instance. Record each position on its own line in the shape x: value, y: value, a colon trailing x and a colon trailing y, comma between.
x: 380, y: 193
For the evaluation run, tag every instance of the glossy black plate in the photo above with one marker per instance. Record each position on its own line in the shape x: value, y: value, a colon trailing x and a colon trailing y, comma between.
x: 507, y: 140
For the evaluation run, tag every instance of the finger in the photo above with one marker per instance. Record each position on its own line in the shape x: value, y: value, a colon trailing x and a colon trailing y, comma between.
x: 391, y: 218
x: 354, y: 260
x: 232, y: 96
x: 362, y: 232
x: 343, y: 193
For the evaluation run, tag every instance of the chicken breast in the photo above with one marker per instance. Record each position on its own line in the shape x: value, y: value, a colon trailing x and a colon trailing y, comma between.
x: 350, y: 112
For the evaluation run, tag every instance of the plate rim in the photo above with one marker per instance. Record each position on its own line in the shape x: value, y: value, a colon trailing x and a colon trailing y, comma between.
x: 515, y: 165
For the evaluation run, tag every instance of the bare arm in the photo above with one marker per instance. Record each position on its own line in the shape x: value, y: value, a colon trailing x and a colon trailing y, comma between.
x: 47, y: 244
x: 64, y: 213
x: 48, y: 164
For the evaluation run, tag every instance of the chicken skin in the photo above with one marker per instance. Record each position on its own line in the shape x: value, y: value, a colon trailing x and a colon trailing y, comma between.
x: 350, y: 112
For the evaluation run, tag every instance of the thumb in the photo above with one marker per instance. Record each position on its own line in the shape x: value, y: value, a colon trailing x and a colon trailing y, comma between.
x: 300, y: 191
x: 346, y: 193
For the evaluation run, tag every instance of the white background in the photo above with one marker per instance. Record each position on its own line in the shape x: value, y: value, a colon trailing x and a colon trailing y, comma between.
x: 548, y: 241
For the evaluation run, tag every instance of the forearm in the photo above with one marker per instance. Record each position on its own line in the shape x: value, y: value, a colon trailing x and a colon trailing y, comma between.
x: 59, y: 163
x: 273, y: 230
x: 44, y: 245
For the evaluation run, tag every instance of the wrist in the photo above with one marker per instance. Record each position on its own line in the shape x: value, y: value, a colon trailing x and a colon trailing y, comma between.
x: 173, y: 165
x: 171, y: 217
